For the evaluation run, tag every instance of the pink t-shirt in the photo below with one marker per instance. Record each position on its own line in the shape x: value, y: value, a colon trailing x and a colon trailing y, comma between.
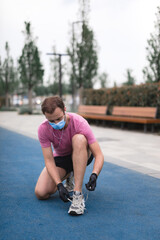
x: 62, y: 140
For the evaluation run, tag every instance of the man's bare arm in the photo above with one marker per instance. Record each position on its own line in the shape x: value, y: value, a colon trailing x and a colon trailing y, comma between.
x: 50, y: 164
x: 99, y: 158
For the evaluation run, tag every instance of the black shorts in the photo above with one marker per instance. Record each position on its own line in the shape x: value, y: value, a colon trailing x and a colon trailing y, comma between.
x: 66, y: 162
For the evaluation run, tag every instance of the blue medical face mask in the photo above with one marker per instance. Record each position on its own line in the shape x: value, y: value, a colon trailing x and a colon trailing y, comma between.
x: 58, y: 125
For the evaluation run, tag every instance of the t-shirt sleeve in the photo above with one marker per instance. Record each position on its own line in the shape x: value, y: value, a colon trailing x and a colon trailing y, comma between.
x: 85, y: 129
x: 42, y: 136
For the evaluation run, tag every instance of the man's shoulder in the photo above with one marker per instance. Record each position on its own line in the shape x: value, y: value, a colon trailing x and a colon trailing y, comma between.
x: 76, y: 117
x: 43, y: 126
x: 44, y: 133
x: 77, y: 121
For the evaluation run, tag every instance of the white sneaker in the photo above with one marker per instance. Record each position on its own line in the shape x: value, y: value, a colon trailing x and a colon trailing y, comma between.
x: 69, y: 184
x: 78, y: 204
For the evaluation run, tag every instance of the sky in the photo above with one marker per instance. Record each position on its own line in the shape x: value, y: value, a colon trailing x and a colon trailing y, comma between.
x: 121, y: 29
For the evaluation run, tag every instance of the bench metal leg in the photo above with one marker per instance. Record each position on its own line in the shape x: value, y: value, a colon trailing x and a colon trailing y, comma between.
x: 97, y: 122
x: 108, y: 124
x: 122, y: 125
x: 103, y: 123
x: 152, y: 128
x: 145, y: 128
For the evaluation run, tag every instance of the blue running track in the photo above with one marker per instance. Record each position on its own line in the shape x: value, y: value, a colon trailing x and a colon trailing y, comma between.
x: 125, y: 205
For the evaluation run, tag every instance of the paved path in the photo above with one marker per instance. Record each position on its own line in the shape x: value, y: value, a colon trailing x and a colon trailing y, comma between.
x: 124, y: 206
x: 133, y: 150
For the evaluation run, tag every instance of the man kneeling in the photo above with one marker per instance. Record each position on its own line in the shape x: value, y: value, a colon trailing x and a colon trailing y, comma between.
x: 74, y: 147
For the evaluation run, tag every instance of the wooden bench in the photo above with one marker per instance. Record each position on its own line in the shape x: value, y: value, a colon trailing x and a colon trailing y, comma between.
x: 141, y: 115
x: 92, y: 112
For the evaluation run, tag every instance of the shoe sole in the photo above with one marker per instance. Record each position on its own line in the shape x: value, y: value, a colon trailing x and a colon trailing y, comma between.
x: 72, y: 213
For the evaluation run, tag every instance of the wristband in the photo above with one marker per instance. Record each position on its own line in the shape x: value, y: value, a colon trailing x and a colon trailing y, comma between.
x: 59, y: 185
x: 95, y: 175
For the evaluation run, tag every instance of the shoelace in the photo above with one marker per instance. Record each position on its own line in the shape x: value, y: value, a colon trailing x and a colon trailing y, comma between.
x: 77, y: 204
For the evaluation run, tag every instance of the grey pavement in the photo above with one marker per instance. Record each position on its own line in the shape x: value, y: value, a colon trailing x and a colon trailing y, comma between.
x: 133, y: 150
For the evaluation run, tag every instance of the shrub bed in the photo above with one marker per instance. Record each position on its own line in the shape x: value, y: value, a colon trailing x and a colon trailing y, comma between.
x: 24, y: 110
x: 145, y: 95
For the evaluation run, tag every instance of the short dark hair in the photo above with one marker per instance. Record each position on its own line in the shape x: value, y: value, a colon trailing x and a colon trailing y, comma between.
x: 51, y: 103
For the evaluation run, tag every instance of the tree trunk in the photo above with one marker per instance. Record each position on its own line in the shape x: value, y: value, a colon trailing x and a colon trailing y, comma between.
x: 81, y: 95
x: 30, y: 98
x: 7, y: 99
x: 74, y: 101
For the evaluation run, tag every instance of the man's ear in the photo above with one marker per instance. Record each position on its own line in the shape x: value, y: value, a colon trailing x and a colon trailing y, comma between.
x: 64, y: 108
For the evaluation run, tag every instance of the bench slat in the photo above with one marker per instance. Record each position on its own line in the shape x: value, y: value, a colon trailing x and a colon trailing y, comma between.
x: 146, y: 112
x: 92, y: 109
x: 142, y: 115
x: 120, y: 119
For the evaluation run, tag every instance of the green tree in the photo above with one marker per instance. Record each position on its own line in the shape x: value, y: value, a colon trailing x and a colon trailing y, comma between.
x: 115, y: 84
x: 41, y: 90
x: 30, y: 66
x: 1, y: 79
x: 103, y: 79
x: 54, y: 88
x: 86, y: 48
x: 8, y: 76
x: 152, y: 71
x: 130, y: 79
x: 83, y: 52
x: 87, y: 60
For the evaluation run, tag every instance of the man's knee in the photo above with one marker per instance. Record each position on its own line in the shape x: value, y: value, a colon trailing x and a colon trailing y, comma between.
x: 79, y: 141
x: 41, y: 195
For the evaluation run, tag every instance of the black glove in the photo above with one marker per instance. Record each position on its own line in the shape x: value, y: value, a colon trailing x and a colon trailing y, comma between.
x: 63, y: 193
x: 92, y: 182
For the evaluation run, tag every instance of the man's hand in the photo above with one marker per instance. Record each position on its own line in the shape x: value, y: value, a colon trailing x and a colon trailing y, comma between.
x: 63, y: 193
x: 92, y: 182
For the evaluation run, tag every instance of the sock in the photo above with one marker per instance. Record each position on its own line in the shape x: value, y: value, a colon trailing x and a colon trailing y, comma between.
x: 77, y: 193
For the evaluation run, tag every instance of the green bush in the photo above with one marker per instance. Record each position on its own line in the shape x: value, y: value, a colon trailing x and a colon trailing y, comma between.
x: 3, y: 109
x: 138, y: 95
x: 24, y: 110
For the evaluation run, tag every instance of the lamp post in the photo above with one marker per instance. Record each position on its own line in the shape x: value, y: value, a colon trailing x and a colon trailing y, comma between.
x: 60, y: 69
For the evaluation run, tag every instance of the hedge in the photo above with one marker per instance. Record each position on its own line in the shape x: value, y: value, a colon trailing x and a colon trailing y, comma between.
x: 146, y: 95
